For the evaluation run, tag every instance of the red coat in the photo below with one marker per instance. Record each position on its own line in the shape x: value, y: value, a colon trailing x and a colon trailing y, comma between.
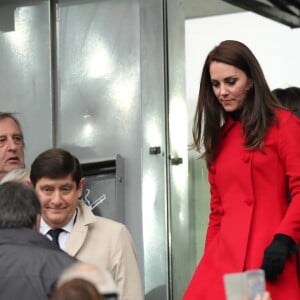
x: 249, y: 206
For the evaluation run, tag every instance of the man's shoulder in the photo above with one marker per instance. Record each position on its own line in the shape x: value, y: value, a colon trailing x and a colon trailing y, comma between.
x: 109, y: 223
x: 287, y: 118
x: 35, y: 248
x: 284, y: 114
x: 89, y: 216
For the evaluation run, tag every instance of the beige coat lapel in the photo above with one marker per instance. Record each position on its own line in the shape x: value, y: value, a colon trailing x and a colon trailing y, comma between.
x: 80, y: 229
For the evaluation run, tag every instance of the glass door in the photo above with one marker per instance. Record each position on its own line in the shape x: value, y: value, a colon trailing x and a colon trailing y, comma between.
x: 193, y: 29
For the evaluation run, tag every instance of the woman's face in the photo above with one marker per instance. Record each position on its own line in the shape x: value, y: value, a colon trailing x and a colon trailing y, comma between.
x: 230, y: 85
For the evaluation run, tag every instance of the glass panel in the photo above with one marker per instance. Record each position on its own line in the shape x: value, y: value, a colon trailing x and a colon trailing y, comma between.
x: 198, y: 183
x: 188, y: 190
x: 203, y: 21
x: 153, y: 133
x: 98, y: 106
x: 25, y: 85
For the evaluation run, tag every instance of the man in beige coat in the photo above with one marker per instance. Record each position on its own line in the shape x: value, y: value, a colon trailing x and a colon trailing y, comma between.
x: 57, y: 178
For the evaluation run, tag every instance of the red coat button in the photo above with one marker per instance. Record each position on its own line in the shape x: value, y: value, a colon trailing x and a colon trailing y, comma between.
x: 249, y: 201
x: 212, y: 169
x: 246, y: 158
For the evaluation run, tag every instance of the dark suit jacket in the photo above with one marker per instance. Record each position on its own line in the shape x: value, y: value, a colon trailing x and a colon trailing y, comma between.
x: 29, y: 264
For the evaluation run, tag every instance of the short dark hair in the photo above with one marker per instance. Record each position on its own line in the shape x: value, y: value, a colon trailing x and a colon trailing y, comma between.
x: 10, y: 115
x: 289, y: 97
x: 55, y: 163
x: 19, y: 205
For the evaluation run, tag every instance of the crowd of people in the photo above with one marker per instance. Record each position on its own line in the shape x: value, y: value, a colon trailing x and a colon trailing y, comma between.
x: 52, y: 246
x: 44, y: 218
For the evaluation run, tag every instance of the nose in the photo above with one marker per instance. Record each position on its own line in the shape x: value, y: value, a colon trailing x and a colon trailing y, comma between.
x: 56, y: 198
x: 11, y: 144
x: 223, y: 89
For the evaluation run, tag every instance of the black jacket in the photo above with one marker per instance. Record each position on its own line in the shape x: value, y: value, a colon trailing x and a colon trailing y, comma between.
x: 29, y: 264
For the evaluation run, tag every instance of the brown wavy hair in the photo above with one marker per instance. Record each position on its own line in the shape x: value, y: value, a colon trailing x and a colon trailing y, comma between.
x: 257, y: 113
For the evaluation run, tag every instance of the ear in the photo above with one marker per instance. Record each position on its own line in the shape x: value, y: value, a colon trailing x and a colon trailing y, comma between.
x: 80, y: 187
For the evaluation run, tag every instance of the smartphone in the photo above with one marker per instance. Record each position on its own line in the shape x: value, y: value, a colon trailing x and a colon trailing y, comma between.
x: 255, y: 283
x: 244, y: 285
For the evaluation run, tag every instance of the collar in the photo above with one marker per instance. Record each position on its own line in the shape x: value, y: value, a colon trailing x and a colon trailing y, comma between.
x: 229, y: 122
x: 236, y: 115
x: 44, y: 227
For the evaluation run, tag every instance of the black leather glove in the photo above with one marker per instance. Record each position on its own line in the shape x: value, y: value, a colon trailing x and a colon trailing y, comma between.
x: 275, y: 256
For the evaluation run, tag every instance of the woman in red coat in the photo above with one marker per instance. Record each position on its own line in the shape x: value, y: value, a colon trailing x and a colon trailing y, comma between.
x: 252, y: 150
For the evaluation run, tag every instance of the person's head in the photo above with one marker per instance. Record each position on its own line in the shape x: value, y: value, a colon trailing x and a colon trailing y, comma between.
x: 289, y: 97
x: 76, y: 289
x: 232, y: 80
x: 19, y: 206
x: 19, y: 174
x: 99, y: 277
x: 11, y: 143
x: 57, y: 178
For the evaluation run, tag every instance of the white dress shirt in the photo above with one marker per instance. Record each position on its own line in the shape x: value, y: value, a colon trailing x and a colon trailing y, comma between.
x: 62, y: 239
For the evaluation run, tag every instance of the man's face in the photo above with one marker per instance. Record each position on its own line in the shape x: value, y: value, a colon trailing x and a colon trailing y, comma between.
x: 58, y: 199
x: 11, y: 146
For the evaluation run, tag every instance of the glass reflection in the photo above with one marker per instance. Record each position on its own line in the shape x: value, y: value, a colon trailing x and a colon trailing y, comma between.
x: 153, y: 132
x: 99, y: 62
x: 123, y: 92
x: 88, y: 131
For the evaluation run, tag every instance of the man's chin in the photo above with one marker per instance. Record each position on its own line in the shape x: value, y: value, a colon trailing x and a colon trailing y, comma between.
x: 14, y: 165
x: 56, y: 216
x: 56, y: 222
